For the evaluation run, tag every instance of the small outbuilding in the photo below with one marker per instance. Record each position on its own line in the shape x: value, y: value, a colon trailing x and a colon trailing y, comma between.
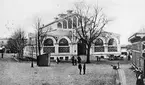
x: 43, y: 60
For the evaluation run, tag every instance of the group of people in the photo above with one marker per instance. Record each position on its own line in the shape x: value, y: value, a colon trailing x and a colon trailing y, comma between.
x: 76, y: 60
x: 80, y: 67
x: 74, y: 63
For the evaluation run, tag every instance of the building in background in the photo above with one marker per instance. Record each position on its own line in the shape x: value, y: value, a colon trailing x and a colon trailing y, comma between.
x: 61, y: 41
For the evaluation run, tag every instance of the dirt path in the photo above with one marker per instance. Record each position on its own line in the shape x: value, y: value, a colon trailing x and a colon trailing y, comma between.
x: 129, y: 74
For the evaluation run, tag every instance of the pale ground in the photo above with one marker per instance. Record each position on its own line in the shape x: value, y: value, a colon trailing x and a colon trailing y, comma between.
x: 15, y: 73
x: 130, y: 75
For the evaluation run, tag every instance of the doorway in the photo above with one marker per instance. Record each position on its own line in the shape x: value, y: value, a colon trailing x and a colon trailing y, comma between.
x: 81, y: 48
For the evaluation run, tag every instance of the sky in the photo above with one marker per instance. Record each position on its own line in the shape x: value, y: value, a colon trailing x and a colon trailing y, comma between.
x: 128, y: 15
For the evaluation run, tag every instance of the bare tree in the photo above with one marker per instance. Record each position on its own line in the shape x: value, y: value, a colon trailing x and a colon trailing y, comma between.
x: 17, y: 42
x: 92, y: 20
x: 40, y: 35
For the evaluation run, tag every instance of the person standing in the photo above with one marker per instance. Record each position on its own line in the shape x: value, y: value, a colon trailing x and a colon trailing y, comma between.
x: 2, y: 54
x: 84, y: 68
x: 72, y: 59
x: 79, y: 59
x: 97, y: 58
x: 75, y: 61
x: 128, y: 56
x: 139, y: 80
x: 80, y: 68
x: 57, y: 60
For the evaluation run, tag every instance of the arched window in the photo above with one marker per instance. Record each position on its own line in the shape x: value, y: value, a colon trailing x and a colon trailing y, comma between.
x: 48, y: 42
x: 74, y: 22
x: 99, y: 45
x: 112, y: 42
x: 99, y: 42
x: 63, y: 46
x: 63, y: 42
x: 64, y: 24
x: 112, y: 45
x: 48, y: 46
x: 69, y: 23
x: 59, y: 25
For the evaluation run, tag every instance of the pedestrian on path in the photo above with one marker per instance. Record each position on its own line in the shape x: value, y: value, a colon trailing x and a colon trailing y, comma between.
x: 72, y: 59
x: 2, y: 54
x: 80, y: 67
x: 84, y: 68
x: 57, y: 60
x: 75, y: 61
x: 139, y: 80
x: 79, y: 59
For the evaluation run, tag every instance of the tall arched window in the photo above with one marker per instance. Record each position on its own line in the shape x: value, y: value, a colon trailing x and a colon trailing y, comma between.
x: 64, y: 24
x: 74, y: 22
x: 63, y: 46
x: 99, y: 45
x: 59, y: 25
x: 48, y: 46
x: 48, y: 42
x: 112, y: 42
x: 112, y: 45
x: 63, y: 42
x: 69, y: 23
x: 99, y: 42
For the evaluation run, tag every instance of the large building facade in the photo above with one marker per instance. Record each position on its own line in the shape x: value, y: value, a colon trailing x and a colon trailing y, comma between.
x: 61, y: 40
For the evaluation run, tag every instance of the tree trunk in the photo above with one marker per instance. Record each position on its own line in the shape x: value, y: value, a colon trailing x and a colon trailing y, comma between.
x: 39, y: 48
x: 39, y: 40
x: 88, y: 54
x: 20, y: 54
x: 36, y: 46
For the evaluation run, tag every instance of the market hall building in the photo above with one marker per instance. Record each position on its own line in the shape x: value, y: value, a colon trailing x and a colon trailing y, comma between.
x: 61, y: 40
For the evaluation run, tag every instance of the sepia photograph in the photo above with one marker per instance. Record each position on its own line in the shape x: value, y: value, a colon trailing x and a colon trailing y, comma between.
x: 72, y: 42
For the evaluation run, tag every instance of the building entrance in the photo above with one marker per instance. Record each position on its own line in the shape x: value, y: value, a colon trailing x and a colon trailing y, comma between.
x: 81, y: 48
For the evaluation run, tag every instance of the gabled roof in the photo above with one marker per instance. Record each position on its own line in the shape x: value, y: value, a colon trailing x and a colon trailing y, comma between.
x: 59, y: 19
x: 60, y: 32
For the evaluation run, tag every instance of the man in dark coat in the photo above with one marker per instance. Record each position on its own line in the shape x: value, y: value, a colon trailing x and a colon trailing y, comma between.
x: 79, y: 59
x: 75, y: 61
x: 57, y: 60
x: 3, y: 50
x: 80, y: 67
x: 72, y: 59
x: 139, y: 80
x: 84, y: 68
